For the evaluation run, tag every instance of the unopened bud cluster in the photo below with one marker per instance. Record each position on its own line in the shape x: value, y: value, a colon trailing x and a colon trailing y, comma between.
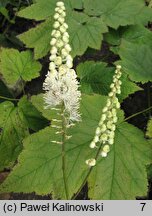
x: 105, y: 131
x: 61, y: 83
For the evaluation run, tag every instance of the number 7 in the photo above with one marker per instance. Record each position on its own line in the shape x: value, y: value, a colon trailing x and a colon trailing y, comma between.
x: 143, y: 205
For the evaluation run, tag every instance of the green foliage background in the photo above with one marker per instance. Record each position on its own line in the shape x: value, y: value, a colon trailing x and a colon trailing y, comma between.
x: 26, y: 149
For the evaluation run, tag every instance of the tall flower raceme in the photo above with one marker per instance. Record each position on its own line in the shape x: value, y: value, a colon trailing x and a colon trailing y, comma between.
x: 61, y: 85
x: 105, y: 132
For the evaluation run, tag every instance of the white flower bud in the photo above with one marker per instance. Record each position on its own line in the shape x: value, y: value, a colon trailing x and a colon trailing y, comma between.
x: 113, y: 128
x: 65, y: 25
x: 103, y: 117
x: 58, y: 61
x: 104, y: 154
x: 96, y: 139
x: 59, y: 4
x: 59, y: 44
x: 53, y: 42
x: 51, y: 66
x: 115, y: 119
x: 110, y: 94
x: 108, y: 103
x: 61, y: 20
x: 105, y: 109
x: 56, y: 25
x: 56, y: 16
x: 64, y: 52
x: 106, y: 148
x: 103, y: 128
x: 112, y: 85
x: 69, y: 63
x: 65, y: 39
x: 109, y: 124
x: 62, y: 29
x: 91, y: 162
x: 66, y: 34
x: 109, y: 114
x: 68, y: 47
x: 63, y: 14
x: 93, y: 145
x: 57, y: 34
x: 111, y: 135
x: 111, y: 141
x: 98, y: 131
x: 53, y: 32
x: 104, y: 137
x: 117, y: 105
x: 114, y: 112
x: 52, y: 57
x: 118, y: 67
x: 54, y: 50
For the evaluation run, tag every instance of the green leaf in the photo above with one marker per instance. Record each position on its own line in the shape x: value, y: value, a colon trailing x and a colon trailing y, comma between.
x: 136, y: 34
x: 45, y: 167
x: 95, y: 77
x: 83, y: 27
x: 124, y: 164
x: 41, y: 10
x: 13, y: 131
x: 15, y: 65
x: 117, y: 13
x: 33, y: 118
x: 38, y: 38
x: 136, y: 61
x: 80, y: 26
x: 149, y: 129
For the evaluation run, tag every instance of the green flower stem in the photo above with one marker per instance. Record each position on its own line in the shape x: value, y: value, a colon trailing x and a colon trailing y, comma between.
x: 138, y: 113
x: 11, y: 99
x: 63, y: 150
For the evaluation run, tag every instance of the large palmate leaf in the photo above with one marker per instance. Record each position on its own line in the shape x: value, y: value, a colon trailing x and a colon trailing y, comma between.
x: 46, y: 167
x: 80, y: 26
x: 136, y: 61
x: 123, y: 165
x: 95, y: 77
x: 15, y: 65
x: 86, y: 19
x: 33, y: 118
x: 136, y: 34
x: 119, y: 13
x: 14, y: 125
x: 12, y: 131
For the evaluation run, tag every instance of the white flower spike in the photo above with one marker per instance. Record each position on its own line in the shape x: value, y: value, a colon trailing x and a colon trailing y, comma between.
x: 105, y: 131
x: 61, y: 85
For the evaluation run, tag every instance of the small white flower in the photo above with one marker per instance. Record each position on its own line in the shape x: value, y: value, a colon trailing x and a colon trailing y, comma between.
x: 68, y: 47
x: 56, y: 25
x: 53, y: 42
x: 93, y: 144
x: 54, y: 50
x: 105, y: 131
x: 52, y: 66
x: 61, y: 85
x: 59, y: 4
x: 56, y: 16
x: 91, y: 162
x: 104, y: 154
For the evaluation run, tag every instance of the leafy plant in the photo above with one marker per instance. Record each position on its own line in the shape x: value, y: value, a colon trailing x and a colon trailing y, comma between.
x: 40, y: 158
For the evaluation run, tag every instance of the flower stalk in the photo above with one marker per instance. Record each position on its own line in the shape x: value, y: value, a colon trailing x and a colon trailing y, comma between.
x: 105, y: 132
x: 61, y: 86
